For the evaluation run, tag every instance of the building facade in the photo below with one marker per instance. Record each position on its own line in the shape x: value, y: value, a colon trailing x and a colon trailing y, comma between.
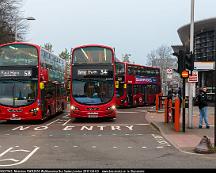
x: 204, y: 51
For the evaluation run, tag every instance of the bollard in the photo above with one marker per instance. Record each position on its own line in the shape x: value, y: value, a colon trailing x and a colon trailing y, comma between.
x: 160, y: 100
x: 177, y: 114
x: 204, y: 147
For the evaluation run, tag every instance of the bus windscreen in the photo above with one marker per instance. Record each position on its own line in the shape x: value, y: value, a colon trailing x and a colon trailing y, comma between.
x: 17, y: 93
x: 92, y: 92
x: 92, y: 55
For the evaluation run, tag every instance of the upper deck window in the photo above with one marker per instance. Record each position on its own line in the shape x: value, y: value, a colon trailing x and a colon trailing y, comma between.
x: 92, y: 55
x: 120, y: 68
x: 18, y: 54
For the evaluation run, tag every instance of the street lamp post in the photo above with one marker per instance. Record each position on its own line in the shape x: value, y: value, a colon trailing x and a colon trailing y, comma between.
x: 190, y: 113
x: 19, y: 19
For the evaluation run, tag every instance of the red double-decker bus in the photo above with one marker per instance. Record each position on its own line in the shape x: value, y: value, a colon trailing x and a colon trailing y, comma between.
x: 136, y: 85
x: 92, y: 82
x: 31, y: 82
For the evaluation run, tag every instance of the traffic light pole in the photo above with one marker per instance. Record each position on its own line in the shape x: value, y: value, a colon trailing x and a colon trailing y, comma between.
x: 183, y: 106
x: 190, y: 109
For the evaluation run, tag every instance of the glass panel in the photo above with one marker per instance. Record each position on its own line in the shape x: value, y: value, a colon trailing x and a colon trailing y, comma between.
x: 120, y: 68
x: 17, y: 93
x: 18, y: 54
x: 92, y: 55
x: 92, y: 91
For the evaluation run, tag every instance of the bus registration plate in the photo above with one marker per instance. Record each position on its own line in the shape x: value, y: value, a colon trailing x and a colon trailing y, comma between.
x: 93, y: 115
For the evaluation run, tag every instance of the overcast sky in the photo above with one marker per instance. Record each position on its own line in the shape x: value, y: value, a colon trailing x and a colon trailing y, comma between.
x: 131, y: 26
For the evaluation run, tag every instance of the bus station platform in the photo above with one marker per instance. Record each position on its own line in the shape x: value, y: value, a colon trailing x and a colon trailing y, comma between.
x: 188, y: 140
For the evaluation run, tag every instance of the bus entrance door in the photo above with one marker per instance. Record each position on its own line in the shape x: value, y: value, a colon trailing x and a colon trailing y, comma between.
x: 129, y: 94
x: 145, y: 95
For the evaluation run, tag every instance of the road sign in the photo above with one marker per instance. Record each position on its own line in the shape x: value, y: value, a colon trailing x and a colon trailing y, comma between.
x: 169, y: 71
x: 185, y: 74
x: 193, y: 77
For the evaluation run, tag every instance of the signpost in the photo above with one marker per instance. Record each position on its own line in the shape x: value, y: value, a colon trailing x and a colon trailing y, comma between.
x: 194, y: 77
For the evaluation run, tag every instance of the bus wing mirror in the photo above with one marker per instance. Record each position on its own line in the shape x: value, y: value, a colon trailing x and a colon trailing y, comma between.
x: 41, y: 85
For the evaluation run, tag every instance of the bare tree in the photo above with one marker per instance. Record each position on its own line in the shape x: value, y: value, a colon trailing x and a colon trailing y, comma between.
x: 162, y: 58
x: 66, y: 55
x: 9, y: 15
x: 48, y: 46
x: 126, y: 58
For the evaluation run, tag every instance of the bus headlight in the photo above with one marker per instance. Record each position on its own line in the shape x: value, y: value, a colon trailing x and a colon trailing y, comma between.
x: 35, y: 110
x: 73, y: 108
x: 113, y: 107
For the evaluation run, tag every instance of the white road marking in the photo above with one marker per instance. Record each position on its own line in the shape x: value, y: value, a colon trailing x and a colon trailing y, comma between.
x: 50, y: 135
x: 66, y: 122
x: 93, y: 146
x: 106, y: 125
x: 160, y: 140
x: 52, y: 122
x: 115, y: 127
x: 127, y: 112
x: 7, y: 134
x: 127, y: 134
x: 56, y: 146
x: 18, y: 162
x: 10, y: 159
x: 27, y: 151
x: 144, y: 111
x: 144, y: 147
x: 130, y: 147
x: 100, y: 135
x: 87, y: 128
x: 2, y: 154
x: 114, y: 134
x: 41, y: 128
x: 159, y: 147
x: 75, y: 146
x: 115, y: 147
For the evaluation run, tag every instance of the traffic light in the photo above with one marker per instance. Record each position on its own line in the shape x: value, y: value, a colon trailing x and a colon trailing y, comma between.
x: 181, y: 60
x: 189, y: 61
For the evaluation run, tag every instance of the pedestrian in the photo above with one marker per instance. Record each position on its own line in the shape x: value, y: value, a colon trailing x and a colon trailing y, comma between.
x: 203, y: 105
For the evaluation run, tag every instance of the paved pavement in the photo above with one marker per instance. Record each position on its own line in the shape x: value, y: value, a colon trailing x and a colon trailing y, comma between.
x: 188, y: 140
